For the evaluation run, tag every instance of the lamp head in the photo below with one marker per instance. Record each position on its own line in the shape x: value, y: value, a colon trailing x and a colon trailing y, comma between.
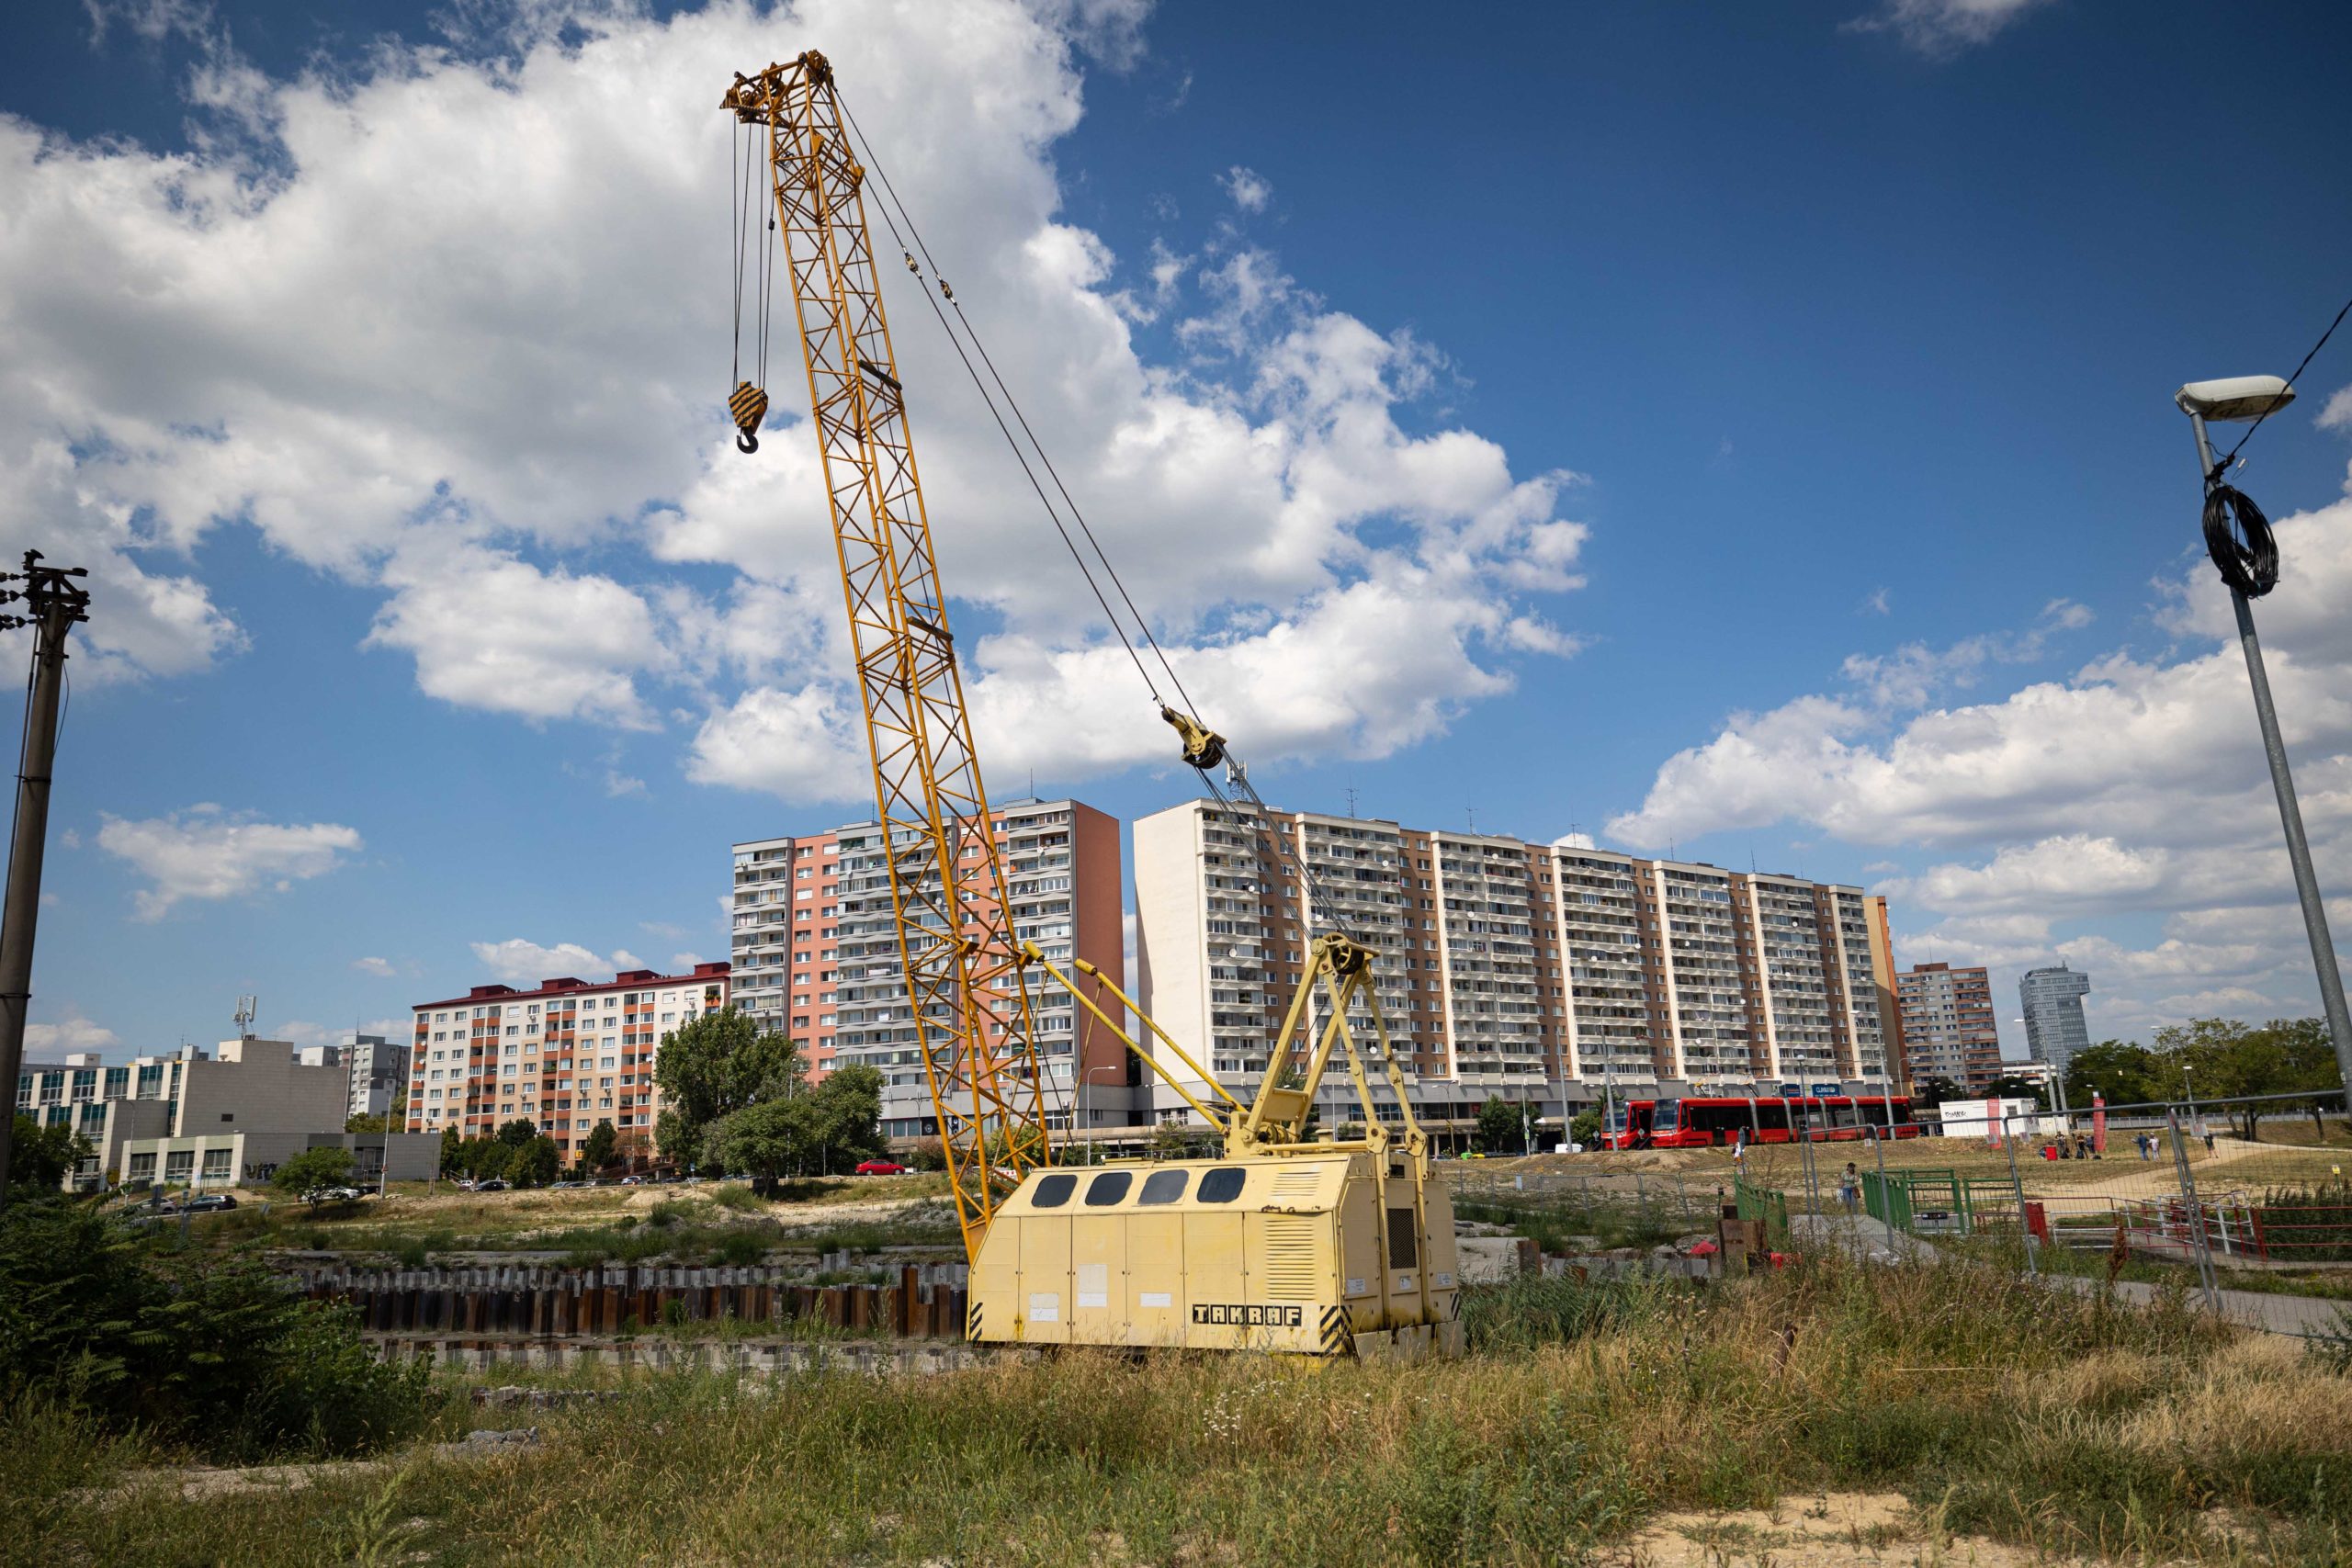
x: 2234, y: 398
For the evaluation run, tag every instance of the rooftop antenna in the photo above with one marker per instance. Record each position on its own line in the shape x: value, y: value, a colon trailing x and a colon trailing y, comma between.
x: 1351, y: 800
x: 1474, y: 817
x: 248, y: 1008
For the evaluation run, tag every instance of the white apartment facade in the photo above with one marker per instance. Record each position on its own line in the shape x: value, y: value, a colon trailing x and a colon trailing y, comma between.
x: 1540, y: 974
x: 565, y: 1054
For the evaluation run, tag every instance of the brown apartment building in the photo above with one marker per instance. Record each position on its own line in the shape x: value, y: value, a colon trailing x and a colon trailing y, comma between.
x: 566, y: 1054
x: 1948, y: 1030
x: 1531, y: 971
x: 816, y: 953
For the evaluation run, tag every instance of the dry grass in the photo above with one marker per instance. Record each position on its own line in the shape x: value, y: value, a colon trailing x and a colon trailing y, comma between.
x: 2060, y: 1424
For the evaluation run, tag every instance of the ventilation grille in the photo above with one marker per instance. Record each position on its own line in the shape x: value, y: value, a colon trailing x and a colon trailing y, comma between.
x: 1296, y: 1185
x: 1290, y: 1256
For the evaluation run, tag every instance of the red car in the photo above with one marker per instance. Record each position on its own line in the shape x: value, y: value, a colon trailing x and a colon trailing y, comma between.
x: 881, y: 1167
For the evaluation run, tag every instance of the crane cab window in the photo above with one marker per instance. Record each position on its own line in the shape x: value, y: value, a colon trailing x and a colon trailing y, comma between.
x: 1052, y: 1191
x: 1108, y: 1188
x: 1222, y: 1185
x: 1162, y: 1187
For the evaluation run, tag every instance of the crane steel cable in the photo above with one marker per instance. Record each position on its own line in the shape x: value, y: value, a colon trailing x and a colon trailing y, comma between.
x: 1321, y: 902
x: 890, y: 199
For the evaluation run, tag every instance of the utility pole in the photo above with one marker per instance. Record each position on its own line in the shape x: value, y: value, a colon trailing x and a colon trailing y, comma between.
x: 53, y: 600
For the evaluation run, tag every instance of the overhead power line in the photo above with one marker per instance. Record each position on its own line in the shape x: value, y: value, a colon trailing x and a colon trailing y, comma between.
x: 2223, y: 465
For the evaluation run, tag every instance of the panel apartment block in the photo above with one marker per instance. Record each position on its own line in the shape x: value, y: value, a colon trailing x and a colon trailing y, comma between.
x: 566, y: 1054
x: 1949, y: 1031
x: 816, y: 953
x: 1533, y: 971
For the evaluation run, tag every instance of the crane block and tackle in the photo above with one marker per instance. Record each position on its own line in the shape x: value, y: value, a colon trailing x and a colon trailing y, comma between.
x: 1289, y: 1241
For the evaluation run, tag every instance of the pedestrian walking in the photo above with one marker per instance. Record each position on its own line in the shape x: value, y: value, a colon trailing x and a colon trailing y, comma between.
x: 1849, y: 1188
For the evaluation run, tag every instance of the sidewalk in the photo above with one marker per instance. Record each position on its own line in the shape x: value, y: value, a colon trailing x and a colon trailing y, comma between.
x: 2301, y: 1317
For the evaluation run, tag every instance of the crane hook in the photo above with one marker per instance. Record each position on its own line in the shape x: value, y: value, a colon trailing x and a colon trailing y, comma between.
x: 749, y: 405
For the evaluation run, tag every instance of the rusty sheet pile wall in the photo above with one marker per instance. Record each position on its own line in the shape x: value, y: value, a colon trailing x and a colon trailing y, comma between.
x: 925, y: 1302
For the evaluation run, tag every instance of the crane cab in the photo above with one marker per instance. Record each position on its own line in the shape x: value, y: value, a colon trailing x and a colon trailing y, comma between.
x: 1349, y: 1253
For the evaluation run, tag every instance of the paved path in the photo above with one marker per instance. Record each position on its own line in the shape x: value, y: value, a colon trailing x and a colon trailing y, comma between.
x: 2304, y: 1316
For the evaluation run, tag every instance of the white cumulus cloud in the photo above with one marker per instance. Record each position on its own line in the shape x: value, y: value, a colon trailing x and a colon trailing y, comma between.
x: 2131, y: 790
x: 1939, y: 29
x: 517, y: 962
x: 207, y: 853
x: 387, y: 319
x: 48, y: 1042
x: 1248, y: 189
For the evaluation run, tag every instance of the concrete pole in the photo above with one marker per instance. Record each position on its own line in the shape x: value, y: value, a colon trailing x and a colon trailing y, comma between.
x: 56, y: 602
x: 2291, y: 816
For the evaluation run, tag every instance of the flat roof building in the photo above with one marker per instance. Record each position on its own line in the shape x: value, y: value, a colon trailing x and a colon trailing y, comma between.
x: 816, y: 953
x: 1949, y: 1031
x: 565, y: 1054
x: 253, y: 1098
x: 1531, y: 971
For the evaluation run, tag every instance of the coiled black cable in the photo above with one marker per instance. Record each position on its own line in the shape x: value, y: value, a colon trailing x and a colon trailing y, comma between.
x: 2238, y: 538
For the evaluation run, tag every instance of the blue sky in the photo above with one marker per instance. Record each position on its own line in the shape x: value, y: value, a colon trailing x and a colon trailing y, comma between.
x: 1741, y: 430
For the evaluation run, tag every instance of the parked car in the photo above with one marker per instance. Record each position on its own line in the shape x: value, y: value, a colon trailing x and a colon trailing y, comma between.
x: 208, y: 1203
x: 491, y: 1184
x: 332, y: 1195
x: 881, y: 1167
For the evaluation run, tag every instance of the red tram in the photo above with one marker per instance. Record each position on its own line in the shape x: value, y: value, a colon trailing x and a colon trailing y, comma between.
x: 1697, y: 1123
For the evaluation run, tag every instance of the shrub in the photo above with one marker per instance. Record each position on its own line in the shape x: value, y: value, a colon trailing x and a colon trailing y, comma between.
x: 215, y: 1352
x: 741, y: 1199
x: 739, y: 1246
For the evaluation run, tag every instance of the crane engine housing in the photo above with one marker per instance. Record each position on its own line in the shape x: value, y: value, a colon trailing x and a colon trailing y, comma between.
x: 1311, y: 1254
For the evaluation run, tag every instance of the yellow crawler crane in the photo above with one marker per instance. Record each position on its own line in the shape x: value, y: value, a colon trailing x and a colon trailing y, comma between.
x: 1318, y: 1247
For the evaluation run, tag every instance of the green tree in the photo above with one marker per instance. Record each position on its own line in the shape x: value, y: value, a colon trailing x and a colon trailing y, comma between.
x: 2224, y: 1058
x: 1586, y: 1128
x: 536, y: 1162
x: 2016, y: 1086
x: 1501, y: 1128
x: 716, y: 1065
x: 596, y: 1151
x: 312, y: 1169
x: 836, y: 1123
x: 2118, y: 1071
x: 359, y: 1123
x: 1929, y: 1093
x: 43, y: 1156
x: 673, y: 1137
x: 518, y: 1133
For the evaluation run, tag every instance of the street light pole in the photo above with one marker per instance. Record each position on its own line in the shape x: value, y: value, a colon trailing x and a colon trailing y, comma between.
x: 2252, y: 398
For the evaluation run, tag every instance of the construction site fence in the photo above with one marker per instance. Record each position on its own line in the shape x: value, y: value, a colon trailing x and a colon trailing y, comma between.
x: 615, y: 1300
x: 2214, y: 1195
